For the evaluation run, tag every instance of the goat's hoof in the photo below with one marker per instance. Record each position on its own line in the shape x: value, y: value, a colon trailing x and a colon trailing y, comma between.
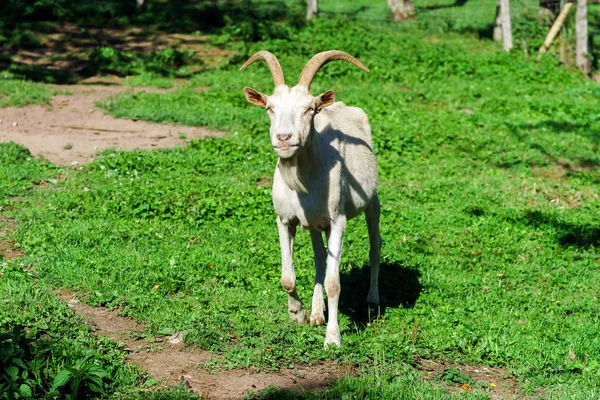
x: 298, y: 315
x: 317, y: 320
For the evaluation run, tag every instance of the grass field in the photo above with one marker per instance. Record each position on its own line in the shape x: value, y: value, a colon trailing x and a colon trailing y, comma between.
x: 489, y: 188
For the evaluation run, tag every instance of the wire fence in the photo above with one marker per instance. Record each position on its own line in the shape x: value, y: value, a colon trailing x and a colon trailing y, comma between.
x: 530, y: 22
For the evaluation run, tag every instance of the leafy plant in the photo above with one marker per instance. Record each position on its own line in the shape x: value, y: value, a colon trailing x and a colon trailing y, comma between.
x: 82, y: 378
x: 453, y: 376
x: 16, y: 379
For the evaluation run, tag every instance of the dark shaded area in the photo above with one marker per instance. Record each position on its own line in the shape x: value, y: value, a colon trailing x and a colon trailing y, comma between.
x: 353, y: 14
x: 282, y: 394
x: 63, y: 41
x: 482, y: 31
x: 399, y: 286
x: 166, y: 15
x: 590, y: 127
x: 583, y: 235
x: 457, y: 3
x: 577, y: 165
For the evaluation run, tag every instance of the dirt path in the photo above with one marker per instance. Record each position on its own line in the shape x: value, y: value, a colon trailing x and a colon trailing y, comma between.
x: 71, y: 132
x: 73, y: 129
x: 171, y: 361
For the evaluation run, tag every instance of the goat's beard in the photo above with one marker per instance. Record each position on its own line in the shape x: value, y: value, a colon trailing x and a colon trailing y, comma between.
x: 291, y: 174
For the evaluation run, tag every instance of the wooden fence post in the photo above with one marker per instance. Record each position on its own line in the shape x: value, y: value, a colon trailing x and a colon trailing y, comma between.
x: 498, y: 23
x: 582, y: 57
x: 560, y: 20
x: 311, y: 9
x: 506, y: 28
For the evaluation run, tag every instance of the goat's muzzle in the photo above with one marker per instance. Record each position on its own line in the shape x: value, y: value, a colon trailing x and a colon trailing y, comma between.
x: 285, y: 149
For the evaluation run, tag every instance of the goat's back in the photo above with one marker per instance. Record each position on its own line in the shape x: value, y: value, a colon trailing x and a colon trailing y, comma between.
x: 345, y: 134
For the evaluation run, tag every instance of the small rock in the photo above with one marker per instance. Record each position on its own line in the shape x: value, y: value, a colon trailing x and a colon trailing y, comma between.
x: 468, y: 111
x: 74, y: 162
x: 14, y: 124
x: 177, y: 337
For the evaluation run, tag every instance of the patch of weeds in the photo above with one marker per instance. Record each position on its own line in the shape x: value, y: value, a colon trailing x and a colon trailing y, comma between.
x: 407, y: 386
x: 46, y: 351
x: 453, y: 376
x: 17, y: 92
x: 165, y: 63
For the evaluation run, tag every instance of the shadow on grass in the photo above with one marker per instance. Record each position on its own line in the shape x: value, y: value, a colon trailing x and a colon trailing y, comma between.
x: 578, y: 163
x: 583, y: 235
x: 78, y: 39
x: 399, y: 286
x: 457, y: 3
x: 281, y: 394
x: 590, y: 128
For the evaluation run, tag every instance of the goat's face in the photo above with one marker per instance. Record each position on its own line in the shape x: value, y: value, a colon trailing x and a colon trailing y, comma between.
x: 291, y: 112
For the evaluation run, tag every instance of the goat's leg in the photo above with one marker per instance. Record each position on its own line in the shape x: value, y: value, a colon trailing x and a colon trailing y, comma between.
x: 335, y: 236
x: 317, y: 314
x: 287, y: 233
x: 372, y: 214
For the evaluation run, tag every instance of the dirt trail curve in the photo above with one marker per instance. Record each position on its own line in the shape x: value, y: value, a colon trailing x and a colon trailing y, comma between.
x: 70, y: 132
x: 73, y: 129
x: 169, y: 360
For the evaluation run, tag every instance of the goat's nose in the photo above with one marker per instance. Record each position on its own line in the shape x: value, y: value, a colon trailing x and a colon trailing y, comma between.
x: 282, y: 137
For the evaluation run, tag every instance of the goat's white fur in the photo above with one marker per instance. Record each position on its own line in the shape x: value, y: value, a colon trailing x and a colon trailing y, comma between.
x: 325, y: 176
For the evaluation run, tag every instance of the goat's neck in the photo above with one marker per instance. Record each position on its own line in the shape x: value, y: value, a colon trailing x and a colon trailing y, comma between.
x: 297, y: 171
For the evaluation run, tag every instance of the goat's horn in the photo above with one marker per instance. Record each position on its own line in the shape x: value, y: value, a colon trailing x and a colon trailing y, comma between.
x: 314, y: 64
x: 271, y: 61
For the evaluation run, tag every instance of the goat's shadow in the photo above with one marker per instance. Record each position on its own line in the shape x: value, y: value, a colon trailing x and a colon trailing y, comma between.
x: 398, y: 286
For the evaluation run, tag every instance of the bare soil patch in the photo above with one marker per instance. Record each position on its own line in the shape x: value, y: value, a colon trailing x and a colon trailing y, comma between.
x: 170, y: 361
x: 72, y: 130
x: 499, y: 382
x: 7, y: 248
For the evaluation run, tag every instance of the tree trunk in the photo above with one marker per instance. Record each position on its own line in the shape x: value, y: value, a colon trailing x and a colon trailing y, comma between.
x: 401, y: 9
x: 498, y: 24
x: 582, y: 56
x: 506, y: 28
x: 311, y: 9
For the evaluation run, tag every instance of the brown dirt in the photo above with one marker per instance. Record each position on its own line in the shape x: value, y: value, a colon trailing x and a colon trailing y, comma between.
x: 73, y: 130
x: 7, y: 248
x: 170, y: 361
x: 498, y: 382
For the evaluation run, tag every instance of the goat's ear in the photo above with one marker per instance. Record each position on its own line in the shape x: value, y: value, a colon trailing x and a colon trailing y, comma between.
x: 325, y: 99
x: 254, y: 97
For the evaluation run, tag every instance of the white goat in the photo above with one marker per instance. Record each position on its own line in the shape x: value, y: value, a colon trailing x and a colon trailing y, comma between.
x: 326, y: 175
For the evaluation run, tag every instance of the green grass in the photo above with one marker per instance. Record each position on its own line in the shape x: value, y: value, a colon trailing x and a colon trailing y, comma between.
x: 15, y: 92
x: 489, y: 191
